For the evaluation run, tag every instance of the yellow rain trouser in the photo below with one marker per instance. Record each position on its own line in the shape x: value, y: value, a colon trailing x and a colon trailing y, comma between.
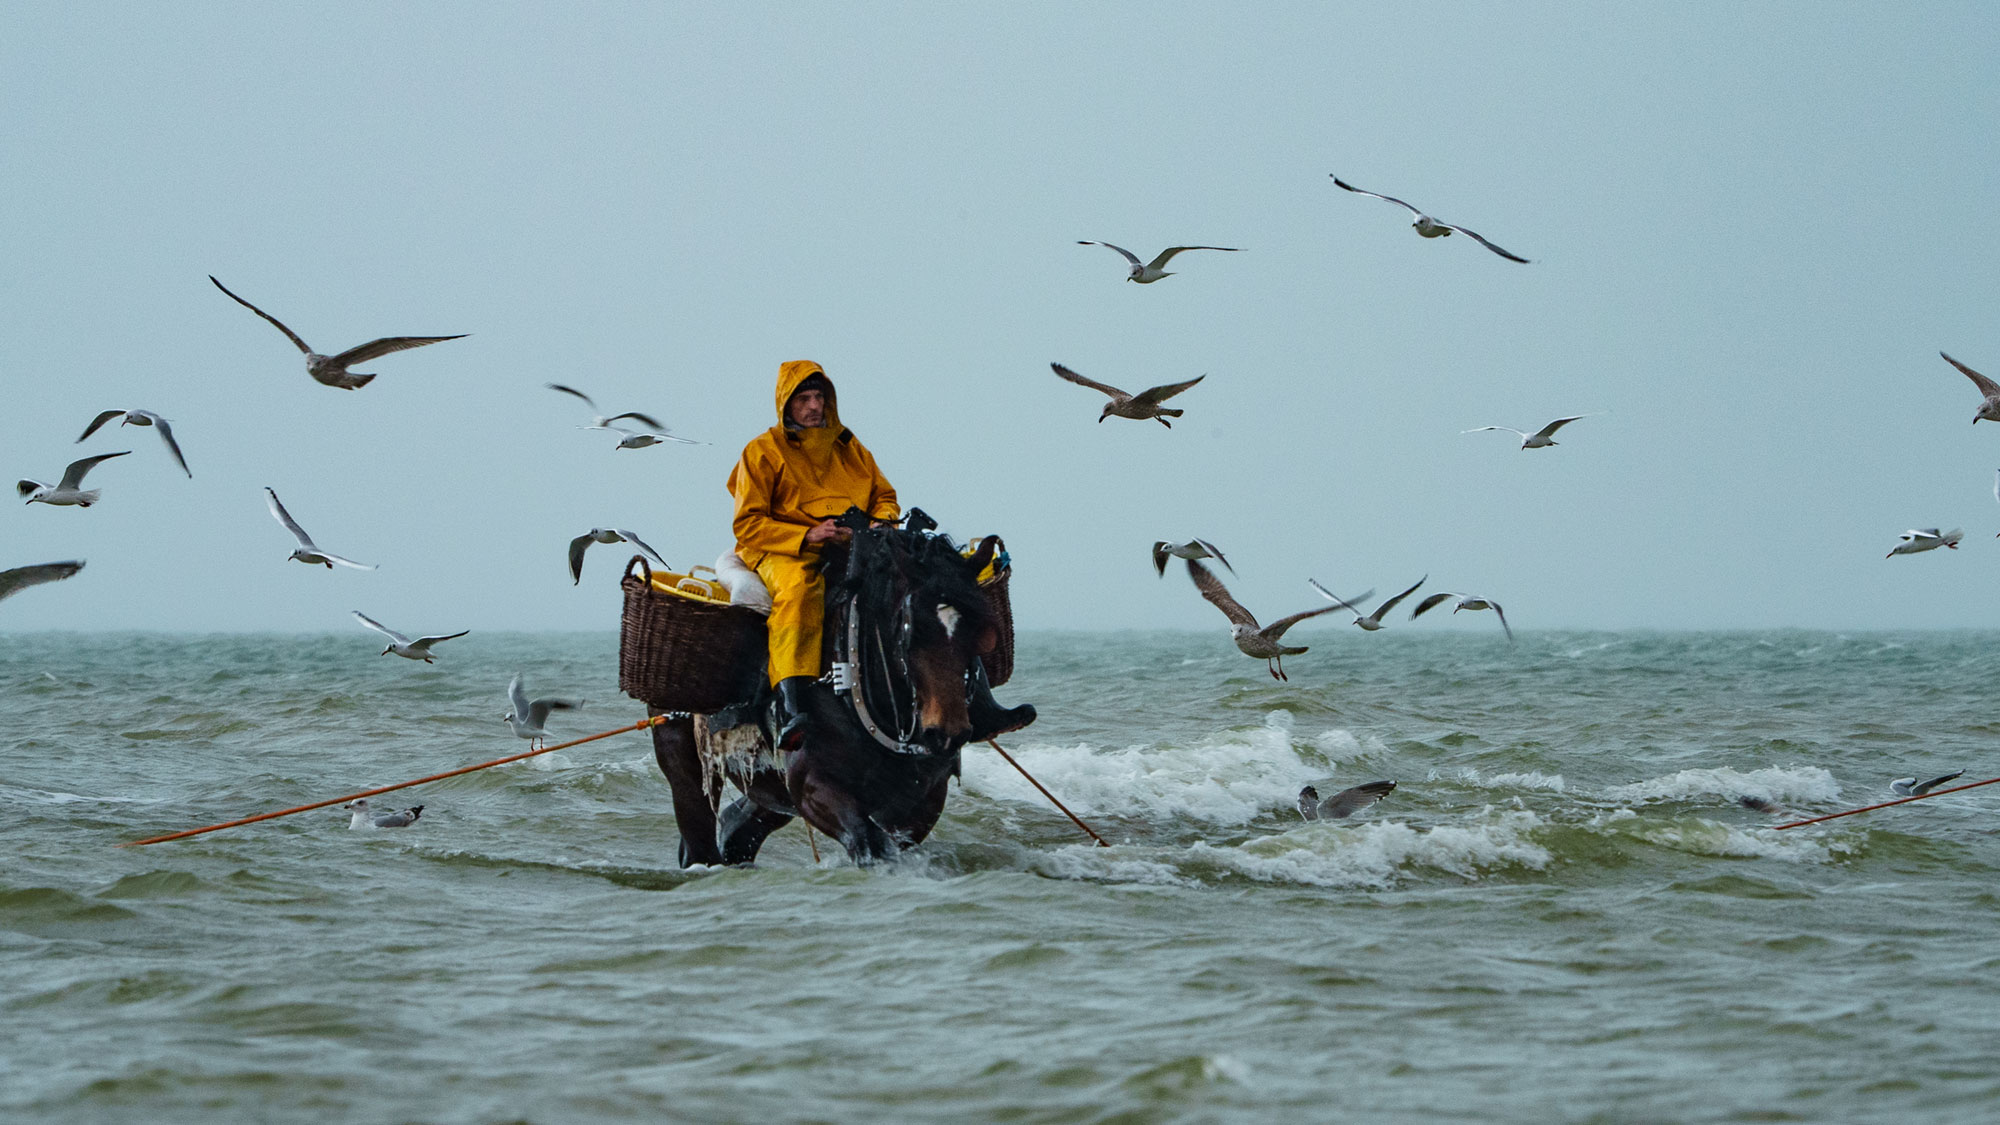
x: 798, y: 604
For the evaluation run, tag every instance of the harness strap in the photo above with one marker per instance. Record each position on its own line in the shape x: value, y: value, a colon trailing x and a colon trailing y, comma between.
x: 856, y: 696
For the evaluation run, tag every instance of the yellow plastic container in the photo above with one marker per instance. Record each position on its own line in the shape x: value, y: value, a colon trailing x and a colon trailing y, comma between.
x: 687, y: 585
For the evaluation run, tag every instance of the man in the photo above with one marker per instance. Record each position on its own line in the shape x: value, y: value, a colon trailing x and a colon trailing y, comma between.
x: 791, y: 482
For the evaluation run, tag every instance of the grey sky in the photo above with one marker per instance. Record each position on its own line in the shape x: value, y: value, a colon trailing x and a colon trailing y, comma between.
x: 1753, y: 228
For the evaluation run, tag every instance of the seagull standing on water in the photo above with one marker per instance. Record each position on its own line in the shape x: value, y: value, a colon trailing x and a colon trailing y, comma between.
x: 581, y: 543
x: 527, y: 718
x: 1429, y: 227
x: 1924, y: 539
x: 1145, y: 404
x: 1263, y: 642
x: 69, y: 491
x: 306, y: 551
x: 1373, y: 621
x: 1911, y: 787
x: 142, y: 418
x: 1989, y: 402
x: 364, y: 820
x: 1343, y: 804
x: 1540, y: 439
x: 1192, y: 549
x: 1146, y: 273
x: 419, y: 649
x: 332, y: 369
x: 21, y: 577
x: 1465, y: 601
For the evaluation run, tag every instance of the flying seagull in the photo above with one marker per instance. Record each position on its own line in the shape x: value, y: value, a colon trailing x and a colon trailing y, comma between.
x: 21, y: 577
x: 363, y: 819
x: 1263, y: 642
x: 635, y: 439
x: 69, y: 491
x: 142, y: 418
x: 1145, y: 404
x: 527, y: 717
x: 1373, y: 621
x: 1924, y: 539
x: 1911, y: 787
x: 581, y: 543
x: 1192, y: 549
x: 1147, y: 273
x: 1989, y: 403
x: 603, y: 421
x: 1465, y: 601
x: 1343, y: 804
x: 1429, y: 227
x: 419, y: 649
x: 1537, y: 440
x: 332, y: 369
x: 307, y: 551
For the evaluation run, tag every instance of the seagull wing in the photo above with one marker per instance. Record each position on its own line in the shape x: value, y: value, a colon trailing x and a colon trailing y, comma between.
x: 1429, y: 604
x: 1340, y: 183
x: 1347, y: 802
x: 279, y: 513
x: 538, y: 711
x: 651, y: 422
x: 289, y: 334
x: 641, y: 544
x: 21, y: 577
x: 1161, y: 553
x: 1502, y: 615
x: 1276, y: 629
x: 1385, y: 607
x: 1154, y: 395
x: 333, y: 558
x: 1550, y: 429
x: 1211, y: 548
x: 427, y: 642
x: 25, y: 486
x: 400, y: 819
x: 375, y: 349
x: 1986, y: 386
x: 1129, y: 256
x: 577, y: 547
x: 166, y: 435
x: 1167, y: 255
x: 99, y: 421
x: 1211, y: 588
x: 1926, y: 786
x: 573, y: 391
x: 73, y: 475
x: 1093, y: 384
x: 1477, y: 237
x: 1343, y: 603
x: 381, y: 628
x: 517, y: 698
x: 1309, y: 803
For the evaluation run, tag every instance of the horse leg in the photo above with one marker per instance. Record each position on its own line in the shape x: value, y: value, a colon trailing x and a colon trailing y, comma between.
x: 741, y: 829
x: 694, y: 809
x: 835, y: 811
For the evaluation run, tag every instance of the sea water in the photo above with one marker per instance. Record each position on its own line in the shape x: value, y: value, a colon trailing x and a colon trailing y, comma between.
x: 1562, y: 913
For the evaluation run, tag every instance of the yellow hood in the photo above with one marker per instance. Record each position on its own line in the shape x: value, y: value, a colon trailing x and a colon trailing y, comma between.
x: 795, y: 371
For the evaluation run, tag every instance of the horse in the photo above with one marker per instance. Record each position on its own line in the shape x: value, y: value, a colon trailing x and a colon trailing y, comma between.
x: 905, y: 628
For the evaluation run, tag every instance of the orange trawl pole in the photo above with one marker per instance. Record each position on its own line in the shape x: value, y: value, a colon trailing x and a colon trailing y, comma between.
x: 640, y: 725
x: 1049, y: 795
x: 1886, y: 804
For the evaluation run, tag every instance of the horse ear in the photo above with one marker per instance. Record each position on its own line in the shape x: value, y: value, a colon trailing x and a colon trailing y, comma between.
x: 984, y: 554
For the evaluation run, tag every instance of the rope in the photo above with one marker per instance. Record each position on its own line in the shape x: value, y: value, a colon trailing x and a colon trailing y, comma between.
x: 640, y: 725
x: 1886, y: 804
x: 1052, y: 796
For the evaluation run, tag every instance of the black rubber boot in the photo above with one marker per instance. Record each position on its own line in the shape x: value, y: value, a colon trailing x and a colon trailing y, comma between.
x: 989, y: 719
x: 792, y: 712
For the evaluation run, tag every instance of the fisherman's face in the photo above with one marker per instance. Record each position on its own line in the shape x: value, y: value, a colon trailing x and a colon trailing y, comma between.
x: 808, y: 408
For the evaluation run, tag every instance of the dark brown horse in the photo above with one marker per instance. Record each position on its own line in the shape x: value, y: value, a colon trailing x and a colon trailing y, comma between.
x: 906, y: 624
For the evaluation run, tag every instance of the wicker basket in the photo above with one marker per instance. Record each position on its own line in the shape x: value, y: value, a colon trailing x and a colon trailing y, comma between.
x: 681, y: 650
x: 1000, y: 662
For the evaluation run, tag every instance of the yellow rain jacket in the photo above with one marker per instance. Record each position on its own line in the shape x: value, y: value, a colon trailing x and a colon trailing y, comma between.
x: 786, y: 481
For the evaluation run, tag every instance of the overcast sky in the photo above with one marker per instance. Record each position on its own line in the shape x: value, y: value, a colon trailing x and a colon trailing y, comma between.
x: 1753, y: 227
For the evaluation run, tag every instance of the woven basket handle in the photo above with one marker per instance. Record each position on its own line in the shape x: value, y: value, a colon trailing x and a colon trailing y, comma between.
x: 640, y: 561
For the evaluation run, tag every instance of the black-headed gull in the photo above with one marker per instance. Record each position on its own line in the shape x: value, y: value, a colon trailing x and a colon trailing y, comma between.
x: 365, y: 819
x: 603, y: 421
x: 1465, y: 601
x: 419, y: 649
x: 1429, y: 227
x: 142, y: 418
x: 1192, y: 549
x: 1540, y: 439
x: 307, y: 551
x: 1925, y: 539
x: 1373, y: 621
x: 1911, y: 787
x: 332, y: 369
x: 1261, y: 641
x: 1145, y: 404
x: 19, y: 578
x: 1343, y: 804
x: 639, y: 439
x: 581, y: 543
x: 527, y: 717
x: 1146, y: 273
x: 68, y: 491
x: 1989, y: 391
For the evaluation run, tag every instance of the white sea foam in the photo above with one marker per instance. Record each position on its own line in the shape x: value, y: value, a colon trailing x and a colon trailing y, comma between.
x: 1533, y: 779
x: 1702, y: 836
x: 1801, y: 784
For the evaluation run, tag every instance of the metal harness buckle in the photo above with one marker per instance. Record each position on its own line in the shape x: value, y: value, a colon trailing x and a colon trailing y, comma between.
x: 844, y: 675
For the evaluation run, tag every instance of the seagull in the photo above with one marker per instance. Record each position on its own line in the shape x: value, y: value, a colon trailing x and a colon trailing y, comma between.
x: 1429, y: 227
x: 1465, y: 601
x: 142, y: 418
x: 1263, y: 642
x: 527, y: 718
x: 1989, y: 405
x: 307, y: 552
x: 419, y: 649
x: 1343, y: 804
x: 364, y: 820
x: 1145, y: 404
x: 332, y: 369
x: 581, y: 543
x: 1537, y: 440
x: 1924, y: 539
x: 69, y: 490
x: 21, y: 577
x: 1373, y: 621
x: 635, y: 439
x: 1149, y: 272
x: 1192, y: 549
x: 1762, y: 805
x: 603, y: 421
x: 1911, y: 787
